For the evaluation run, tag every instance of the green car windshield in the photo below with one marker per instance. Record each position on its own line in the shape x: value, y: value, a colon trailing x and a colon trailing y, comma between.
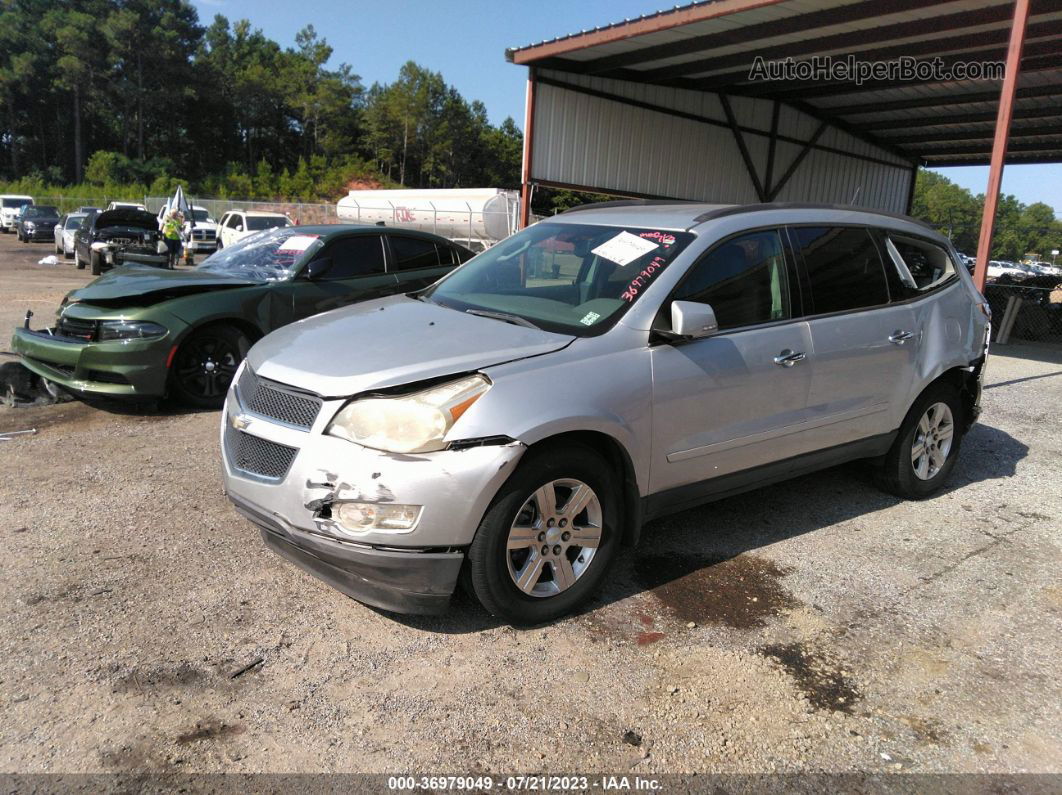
x: 572, y: 278
x: 271, y: 256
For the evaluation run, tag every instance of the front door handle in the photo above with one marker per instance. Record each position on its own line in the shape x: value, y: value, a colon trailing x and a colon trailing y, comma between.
x: 788, y: 358
x: 900, y: 337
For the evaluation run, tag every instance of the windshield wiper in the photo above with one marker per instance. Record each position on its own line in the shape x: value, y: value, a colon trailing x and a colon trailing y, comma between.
x: 503, y: 316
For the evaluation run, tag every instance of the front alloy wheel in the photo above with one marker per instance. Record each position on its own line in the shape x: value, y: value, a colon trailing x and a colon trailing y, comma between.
x: 206, y: 363
x: 554, y: 537
x: 549, y: 537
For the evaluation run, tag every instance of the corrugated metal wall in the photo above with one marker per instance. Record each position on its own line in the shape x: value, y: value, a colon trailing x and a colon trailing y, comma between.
x: 598, y: 142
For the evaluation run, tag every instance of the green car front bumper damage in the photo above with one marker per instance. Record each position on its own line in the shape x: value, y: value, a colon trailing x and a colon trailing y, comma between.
x: 116, y: 368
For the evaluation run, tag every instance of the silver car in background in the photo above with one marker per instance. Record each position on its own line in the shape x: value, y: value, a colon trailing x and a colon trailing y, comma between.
x: 523, y: 417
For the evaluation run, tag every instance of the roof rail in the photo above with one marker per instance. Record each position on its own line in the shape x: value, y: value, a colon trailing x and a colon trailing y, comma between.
x: 749, y: 208
x: 625, y: 203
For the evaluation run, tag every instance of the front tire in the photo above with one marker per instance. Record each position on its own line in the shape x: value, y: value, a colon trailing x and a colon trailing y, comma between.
x: 921, y: 459
x: 205, y: 364
x: 97, y: 265
x: 549, y: 538
x: 80, y: 263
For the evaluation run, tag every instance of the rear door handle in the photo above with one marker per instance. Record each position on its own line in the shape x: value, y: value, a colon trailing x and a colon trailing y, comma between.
x: 900, y: 337
x: 788, y: 358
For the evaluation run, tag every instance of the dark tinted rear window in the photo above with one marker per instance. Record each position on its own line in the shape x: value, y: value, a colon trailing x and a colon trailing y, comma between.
x: 411, y: 253
x: 843, y: 267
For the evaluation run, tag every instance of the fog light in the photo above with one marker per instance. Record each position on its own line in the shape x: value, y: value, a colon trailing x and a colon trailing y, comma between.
x: 361, y: 517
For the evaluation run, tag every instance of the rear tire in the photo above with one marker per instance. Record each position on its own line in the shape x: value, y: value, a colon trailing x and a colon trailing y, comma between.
x: 921, y: 459
x: 526, y: 564
x: 205, y: 364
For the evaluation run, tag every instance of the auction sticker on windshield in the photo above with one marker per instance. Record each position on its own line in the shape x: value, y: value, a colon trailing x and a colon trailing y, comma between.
x: 624, y: 248
x: 298, y: 243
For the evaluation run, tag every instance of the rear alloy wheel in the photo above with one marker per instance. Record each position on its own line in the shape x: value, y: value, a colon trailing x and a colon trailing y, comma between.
x: 547, y: 542
x: 927, y: 445
x: 205, y: 364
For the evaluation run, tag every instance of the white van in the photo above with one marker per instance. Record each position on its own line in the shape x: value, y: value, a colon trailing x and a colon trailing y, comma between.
x: 10, y: 204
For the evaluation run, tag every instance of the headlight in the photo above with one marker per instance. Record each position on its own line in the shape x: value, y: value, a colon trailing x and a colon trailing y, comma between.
x: 29, y: 226
x: 413, y: 423
x: 130, y: 330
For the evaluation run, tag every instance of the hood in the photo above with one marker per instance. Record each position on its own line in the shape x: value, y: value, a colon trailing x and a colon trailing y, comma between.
x: 127, y: 216
x: 135, y: 285
x: 390, y: 342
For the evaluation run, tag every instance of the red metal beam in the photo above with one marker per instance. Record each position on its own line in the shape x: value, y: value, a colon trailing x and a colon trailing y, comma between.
x: 999, y: 146
x: 529, y: 134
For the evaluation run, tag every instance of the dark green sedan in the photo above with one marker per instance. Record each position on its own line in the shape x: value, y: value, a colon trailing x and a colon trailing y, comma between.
x: 142, y: 332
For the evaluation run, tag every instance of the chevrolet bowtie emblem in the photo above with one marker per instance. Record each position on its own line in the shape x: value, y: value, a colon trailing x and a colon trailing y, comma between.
x: 239, y: 421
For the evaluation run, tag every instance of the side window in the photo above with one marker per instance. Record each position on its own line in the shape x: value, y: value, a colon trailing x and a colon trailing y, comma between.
x: 412, y: 253
x: 921, y: 265
x: 355, y: 256
x: 843, y: 266
x: 234, y: 221
x: 744, y: 280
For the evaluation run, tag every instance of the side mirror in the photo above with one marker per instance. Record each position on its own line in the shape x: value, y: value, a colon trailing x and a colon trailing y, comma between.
x: 691, y: 320
x: 318, y: 268
x: 239, y: 227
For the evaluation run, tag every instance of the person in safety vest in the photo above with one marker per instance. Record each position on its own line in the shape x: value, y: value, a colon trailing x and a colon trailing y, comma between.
x: 171, y: 236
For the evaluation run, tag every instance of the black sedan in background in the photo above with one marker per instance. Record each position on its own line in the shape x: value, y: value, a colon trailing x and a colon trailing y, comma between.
x: 37, y: 223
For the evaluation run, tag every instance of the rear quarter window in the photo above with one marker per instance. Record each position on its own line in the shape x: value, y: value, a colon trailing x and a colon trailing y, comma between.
x: 921, y: 266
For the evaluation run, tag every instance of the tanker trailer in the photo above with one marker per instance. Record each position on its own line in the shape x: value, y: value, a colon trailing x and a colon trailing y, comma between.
x: 475, y: 217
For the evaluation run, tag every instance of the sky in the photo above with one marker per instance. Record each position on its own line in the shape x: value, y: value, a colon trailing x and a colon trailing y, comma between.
x: 465, y: 40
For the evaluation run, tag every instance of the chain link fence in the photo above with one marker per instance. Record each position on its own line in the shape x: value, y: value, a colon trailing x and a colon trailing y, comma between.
x: 1029, y: 311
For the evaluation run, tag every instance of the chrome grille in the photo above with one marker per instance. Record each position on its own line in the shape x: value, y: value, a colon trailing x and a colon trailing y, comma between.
x: 76, y: 328
x: 262, y: 397
x: 257, y: 456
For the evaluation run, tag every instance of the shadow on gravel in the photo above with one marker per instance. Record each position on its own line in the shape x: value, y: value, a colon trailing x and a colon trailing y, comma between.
x: 691, y: 560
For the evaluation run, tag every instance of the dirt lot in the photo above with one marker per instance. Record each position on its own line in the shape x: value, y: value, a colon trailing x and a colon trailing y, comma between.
x: 815, y: 626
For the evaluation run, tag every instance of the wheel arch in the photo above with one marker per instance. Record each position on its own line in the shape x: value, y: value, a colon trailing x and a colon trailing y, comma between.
x: 966, y: 381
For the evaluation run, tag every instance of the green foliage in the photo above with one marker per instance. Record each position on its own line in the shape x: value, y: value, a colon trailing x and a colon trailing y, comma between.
x: 136, y: 91
x: 1020, y: 230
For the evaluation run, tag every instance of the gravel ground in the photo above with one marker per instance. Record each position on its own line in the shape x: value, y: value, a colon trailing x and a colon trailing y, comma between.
x: 818, y: 625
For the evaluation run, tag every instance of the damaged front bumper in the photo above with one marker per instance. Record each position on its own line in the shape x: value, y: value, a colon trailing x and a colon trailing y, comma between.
x: 412, y: 571
x: 118, y: 369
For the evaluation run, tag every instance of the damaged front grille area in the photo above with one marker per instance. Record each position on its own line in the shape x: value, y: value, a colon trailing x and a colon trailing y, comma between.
x: 256, y: 456
x: 76, y: 328
x: 261, y: 397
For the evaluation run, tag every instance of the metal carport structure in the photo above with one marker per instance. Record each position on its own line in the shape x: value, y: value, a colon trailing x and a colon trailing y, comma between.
x: 666, y: 105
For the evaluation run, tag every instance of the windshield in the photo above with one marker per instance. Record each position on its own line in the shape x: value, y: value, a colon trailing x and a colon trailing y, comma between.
x: 256, y: 223
x: 41, y: 212
x: 270, y: 257
x: 74, y: 221
x: 16, y: 202
x: 577, y: 279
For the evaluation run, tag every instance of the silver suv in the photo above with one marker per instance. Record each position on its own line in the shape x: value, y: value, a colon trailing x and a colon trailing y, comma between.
x: 519, y: 420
